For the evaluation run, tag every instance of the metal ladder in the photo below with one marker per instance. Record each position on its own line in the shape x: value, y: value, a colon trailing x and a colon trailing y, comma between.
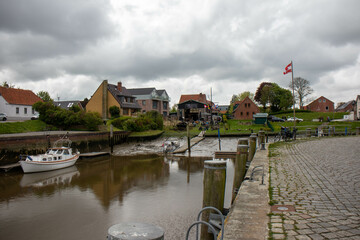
x: 214, y: 224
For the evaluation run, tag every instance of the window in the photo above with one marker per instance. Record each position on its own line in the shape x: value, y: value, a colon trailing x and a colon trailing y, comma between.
x: 33, y: 111
x: 327, y: 108
x: 70, y: 105
x: 17, y: 110
x: 144, y: 102
x: 324, y: 100
x: 164, y: 105
x: 155, y: 105
x: 164, y: 114
x: 241, y: 113
x: 319, y: 100
x: 25, y: 110
x: 247, y: 113
x: 126, y: 111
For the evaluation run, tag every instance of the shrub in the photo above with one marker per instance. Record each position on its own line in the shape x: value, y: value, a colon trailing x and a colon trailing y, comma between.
x: 149, y: 121
x: 114, y: 111
x: 119, y: 122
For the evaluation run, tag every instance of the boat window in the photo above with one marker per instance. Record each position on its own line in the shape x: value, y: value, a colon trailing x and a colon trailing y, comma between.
x: 49, y: 158
x: 59, y: 157
x: 54, y: 158
x: 66, y: 152
x: 59, y: 151
x: 44, y: 159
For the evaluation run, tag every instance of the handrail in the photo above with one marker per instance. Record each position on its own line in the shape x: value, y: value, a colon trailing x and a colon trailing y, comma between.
x: 221, y: 216
x: 201, y: 222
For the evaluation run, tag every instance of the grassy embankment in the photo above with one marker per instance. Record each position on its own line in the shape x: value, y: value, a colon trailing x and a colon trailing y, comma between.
x: 232, y: 127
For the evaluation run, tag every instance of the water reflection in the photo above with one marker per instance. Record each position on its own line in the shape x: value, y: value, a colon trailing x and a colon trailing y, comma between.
x: 102, y: 192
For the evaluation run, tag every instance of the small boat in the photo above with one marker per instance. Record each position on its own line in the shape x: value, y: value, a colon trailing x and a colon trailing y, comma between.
x: 170, y: 145
x: 57, y: 157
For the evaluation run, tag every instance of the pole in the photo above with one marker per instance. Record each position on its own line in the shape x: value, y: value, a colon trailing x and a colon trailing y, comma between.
x: 219, y: 139
x: 292, y: 80
x: 188, y: 137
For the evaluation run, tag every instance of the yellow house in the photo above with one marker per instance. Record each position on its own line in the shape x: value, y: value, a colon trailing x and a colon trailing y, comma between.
x: 108, y: 95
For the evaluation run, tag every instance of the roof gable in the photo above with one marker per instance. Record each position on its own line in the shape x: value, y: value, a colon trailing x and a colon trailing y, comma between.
x: 196, y: 97
x: 19, y: 96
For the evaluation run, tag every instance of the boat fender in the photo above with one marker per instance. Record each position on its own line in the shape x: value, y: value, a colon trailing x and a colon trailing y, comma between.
x: 29, y: 158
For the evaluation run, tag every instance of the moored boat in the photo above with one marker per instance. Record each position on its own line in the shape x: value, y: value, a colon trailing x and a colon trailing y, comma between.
x: 57, y: 157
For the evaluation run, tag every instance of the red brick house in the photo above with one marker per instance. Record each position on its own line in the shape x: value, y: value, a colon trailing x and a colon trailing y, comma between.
x: 245, y: 109
x: 322, y: 104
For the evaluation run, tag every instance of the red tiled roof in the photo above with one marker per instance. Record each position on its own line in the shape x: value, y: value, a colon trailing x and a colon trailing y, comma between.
x: 19, y: 96
x: 196, y: 97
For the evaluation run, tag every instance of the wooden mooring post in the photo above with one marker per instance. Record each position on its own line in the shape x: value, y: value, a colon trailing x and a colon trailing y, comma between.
x: 214, y: 191
x: 239, y: 168
x: 252, y: 146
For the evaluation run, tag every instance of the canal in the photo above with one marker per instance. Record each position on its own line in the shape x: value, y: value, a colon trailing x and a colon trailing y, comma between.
x: 83, y: 201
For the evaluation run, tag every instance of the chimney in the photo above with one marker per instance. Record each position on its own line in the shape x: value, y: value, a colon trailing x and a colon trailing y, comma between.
x: 119, y: 86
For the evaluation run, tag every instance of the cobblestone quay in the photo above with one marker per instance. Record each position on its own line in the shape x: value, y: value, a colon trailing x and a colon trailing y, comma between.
x: 318, y: 181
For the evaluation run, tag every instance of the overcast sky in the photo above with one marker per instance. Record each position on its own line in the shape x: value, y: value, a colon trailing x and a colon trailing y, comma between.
x: 68, y: 47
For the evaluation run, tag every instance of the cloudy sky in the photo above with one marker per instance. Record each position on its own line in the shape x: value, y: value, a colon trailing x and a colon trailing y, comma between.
x: 68, y: 47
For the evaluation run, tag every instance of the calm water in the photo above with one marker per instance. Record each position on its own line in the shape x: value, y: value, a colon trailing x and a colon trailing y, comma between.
x: 83, y: 201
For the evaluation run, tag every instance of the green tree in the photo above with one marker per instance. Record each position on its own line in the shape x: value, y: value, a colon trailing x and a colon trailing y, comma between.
x: 174, y: 109
x: 279, y: 98
x: 262, y: 95
x: 45, y: 96
x: 245, y: 94
x: 114, y: 111
x: 7, y: 85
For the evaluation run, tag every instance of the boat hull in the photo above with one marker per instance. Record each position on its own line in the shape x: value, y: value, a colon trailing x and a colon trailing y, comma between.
x: 37, y: 166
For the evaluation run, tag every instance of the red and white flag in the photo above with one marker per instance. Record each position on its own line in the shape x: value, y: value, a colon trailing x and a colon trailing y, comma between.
x: 288, y: 68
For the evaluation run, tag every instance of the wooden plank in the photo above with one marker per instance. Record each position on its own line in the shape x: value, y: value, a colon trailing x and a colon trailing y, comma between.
x: 93, y: 154
x: 8, y: 167
x: 224, y: 154
x: 193, y: 141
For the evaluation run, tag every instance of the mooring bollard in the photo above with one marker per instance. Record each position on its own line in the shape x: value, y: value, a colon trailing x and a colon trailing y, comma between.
x: 261, y: 137
x: 308, y: 132
x: 214, y: 191
x: 357, y: 131
x: 141, y: 231
x: 345, y: 131
x: 240, y: 167
x: 243, y: 141
x: 252, y: 146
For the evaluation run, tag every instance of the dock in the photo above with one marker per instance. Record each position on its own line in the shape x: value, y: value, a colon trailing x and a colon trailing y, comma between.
x: 193, y: 141
x: 224, y: 155
x: 8, y: 167
x: 93, y: 154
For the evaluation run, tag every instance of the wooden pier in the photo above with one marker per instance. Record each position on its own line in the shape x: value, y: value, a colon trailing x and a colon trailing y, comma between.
x: 193, y: 141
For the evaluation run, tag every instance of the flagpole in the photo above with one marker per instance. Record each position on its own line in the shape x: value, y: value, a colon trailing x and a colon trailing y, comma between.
x: 292, y: 80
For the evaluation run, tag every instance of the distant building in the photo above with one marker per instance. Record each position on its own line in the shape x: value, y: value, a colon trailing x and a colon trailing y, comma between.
x: 346, y: 107
x: 223, y: 109
x: 245, y: 109
x: 17, y: 103
x: 68, y: 104
x: 321, y: 104
x: 151, y: 99
x: 357, y: 107
x: 108, y: 95
x: 194, y: 107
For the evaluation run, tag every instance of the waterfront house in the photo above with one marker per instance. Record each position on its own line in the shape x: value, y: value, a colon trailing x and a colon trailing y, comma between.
x: 17, y: 103
x: 108, y: 95
x: 245, y: 109
x: 151, y: 99
x: 194, y: 107
x: 322, y: 104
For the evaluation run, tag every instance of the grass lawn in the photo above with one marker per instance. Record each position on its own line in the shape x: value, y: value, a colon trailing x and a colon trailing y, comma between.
x: 20, y: 127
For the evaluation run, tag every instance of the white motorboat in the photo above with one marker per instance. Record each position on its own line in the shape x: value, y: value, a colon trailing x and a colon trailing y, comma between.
x: 57, y: 157
x: 170, y: 145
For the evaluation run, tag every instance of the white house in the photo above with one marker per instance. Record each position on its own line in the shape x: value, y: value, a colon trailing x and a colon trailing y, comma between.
x: 17, y: 103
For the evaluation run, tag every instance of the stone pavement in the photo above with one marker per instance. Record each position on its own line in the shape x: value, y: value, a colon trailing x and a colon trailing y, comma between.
x: 318, y: 183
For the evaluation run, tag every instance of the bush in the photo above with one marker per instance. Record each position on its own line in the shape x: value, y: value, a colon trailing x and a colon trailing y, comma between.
x: 65, y: 119
x: 119, y: 122
x: 114, y: 111
x: 149, y: 121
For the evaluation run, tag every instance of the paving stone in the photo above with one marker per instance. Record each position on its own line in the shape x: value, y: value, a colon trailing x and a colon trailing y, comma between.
x: 277, y: 230
x: 302, y: 237
x: 278, y: 236
x: 316, y: 237
x: 305, y: 231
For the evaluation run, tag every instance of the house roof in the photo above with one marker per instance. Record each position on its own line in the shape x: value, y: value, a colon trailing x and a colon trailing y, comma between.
x: 196, y: 97
x: 123, y: 93
x: 318, y: 100
x: 19, y: 96
x: 141, y: 91
x: 345, y: 105
x: 67, y: 104
x: 238, y: 103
